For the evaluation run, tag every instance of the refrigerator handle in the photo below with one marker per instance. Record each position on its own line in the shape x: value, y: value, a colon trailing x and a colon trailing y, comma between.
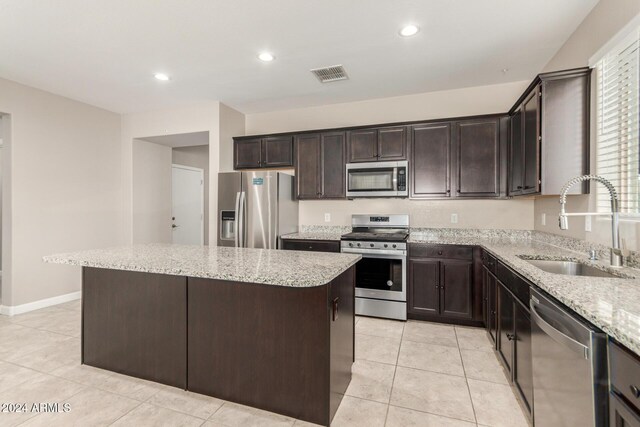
x: 236, y: 224
x: 242, y: 222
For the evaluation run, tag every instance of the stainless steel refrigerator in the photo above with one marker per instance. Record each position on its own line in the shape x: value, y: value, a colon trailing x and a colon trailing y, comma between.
x: 255, y: 209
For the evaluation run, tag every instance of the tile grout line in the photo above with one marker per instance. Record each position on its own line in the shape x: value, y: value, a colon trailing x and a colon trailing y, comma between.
x: 395, y: 369
x: 466, y: 379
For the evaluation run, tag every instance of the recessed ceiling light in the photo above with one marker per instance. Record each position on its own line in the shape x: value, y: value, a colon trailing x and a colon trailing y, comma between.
x: 409, y: 30
x: 266, y: 57
x: 162, y: 77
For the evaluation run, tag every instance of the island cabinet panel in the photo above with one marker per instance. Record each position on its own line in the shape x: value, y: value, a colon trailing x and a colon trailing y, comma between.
x: 282, y: 349
x: 136, y: 324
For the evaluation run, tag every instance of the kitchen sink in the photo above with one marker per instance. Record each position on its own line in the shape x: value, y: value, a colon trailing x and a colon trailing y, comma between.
x: 569, y: 268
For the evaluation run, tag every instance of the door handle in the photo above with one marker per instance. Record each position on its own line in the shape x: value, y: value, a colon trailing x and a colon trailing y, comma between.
x: 241, y: 237
x: 236, y: 225
x: 555, y: 334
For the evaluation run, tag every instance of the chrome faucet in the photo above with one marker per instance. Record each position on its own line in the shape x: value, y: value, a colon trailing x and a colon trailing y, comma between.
x: 617, y: 255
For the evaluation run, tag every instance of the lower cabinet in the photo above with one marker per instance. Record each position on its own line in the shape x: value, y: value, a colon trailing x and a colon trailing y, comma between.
x: 311, y: 245
x: 624, y: 396
x: 441, y: 284
x: 508, y: 324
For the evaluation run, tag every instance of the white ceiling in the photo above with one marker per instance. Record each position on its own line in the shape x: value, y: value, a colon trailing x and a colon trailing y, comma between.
x: 105, y: 52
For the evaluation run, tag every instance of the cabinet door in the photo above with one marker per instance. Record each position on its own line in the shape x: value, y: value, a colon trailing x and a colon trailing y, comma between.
x: 478, y: 158
x: 332, y: 165
x: 246, y: 154
x: 505, y: 326
x: 430, y: 158
x: 392, y: 143
x: 311, y: 245
x: 363, y: 145
x: 522, y: 369
x: 307, y: 166
x: 456, y: 285
x: 491, y: 300
x: 424, y: 284
x: 277, y: 151
x: 516, y: 155
x: 531, y: 135
x: 622, y: 414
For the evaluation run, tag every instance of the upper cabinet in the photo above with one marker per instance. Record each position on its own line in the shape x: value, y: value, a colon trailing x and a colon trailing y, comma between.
x: 468, y: 156
x: 263, y: 152
x: 549, y: 141
x: 377, y: 144
x: 320, y: 165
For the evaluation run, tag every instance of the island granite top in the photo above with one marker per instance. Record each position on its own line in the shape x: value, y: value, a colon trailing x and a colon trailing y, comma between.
x: 264, y: 266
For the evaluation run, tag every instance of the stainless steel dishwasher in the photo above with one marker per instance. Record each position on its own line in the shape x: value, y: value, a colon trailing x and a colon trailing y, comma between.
x: 569, y: 367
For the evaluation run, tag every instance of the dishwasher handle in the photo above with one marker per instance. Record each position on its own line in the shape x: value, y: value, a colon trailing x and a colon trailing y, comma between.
x: 556, y: 335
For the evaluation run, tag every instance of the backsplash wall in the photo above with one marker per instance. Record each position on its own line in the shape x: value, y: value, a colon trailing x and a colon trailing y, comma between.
x: 512, y: 214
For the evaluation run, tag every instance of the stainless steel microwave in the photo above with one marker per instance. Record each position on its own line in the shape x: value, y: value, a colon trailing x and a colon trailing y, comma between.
x: 377, y: 179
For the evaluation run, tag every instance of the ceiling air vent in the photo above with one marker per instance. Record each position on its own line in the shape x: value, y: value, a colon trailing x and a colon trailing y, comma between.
x: 330, y: 74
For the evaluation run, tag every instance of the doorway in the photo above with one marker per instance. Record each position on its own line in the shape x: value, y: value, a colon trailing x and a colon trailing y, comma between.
x: 187, y: 205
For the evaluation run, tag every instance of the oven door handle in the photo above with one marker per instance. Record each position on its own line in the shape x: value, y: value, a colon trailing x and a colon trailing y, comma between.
x: 376, y: 253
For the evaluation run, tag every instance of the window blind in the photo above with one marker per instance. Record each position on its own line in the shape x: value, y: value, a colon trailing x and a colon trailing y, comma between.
x: 618, y: 117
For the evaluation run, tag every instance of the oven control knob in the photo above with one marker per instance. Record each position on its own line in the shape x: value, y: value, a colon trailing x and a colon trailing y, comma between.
x: 386, y: 246
x: 394, y: 245
x: 371, y: 244
x: 350, y: 245
x: 358, y: 244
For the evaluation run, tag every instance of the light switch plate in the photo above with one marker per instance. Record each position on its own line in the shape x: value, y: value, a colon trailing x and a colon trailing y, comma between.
x: 587, y: 223
x: 454, y: 218
x: 543, y: 219
x: 327, y: 217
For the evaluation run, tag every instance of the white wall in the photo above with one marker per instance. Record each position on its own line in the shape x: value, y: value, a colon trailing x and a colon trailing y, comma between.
x: 605, y: 20
x: 151, y: 192
x: 232, y: 123
x: 64, y: 192
x: 517, y: 214
x: 197, y: 157
x: 204, y: 117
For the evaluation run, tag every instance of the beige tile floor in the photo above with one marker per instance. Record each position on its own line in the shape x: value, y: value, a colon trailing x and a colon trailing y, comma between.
x: 405, y: 374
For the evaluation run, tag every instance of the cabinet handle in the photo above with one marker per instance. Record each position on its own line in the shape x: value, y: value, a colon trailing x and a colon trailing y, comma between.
x: 510, y: 337
x: 335, y: 309
x: 439, y: 252
x: 519, y: 187
x: 635, y: 390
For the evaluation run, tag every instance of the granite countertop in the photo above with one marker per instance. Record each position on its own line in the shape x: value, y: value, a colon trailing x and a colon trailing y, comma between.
x: 313, y: 235
x: 265, y: 266
x: 611, y: 304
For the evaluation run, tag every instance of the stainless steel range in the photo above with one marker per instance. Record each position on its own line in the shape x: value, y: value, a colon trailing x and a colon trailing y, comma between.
x: 381, y: 274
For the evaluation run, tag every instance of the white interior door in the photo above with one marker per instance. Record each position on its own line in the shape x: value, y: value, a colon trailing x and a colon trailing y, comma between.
x: 187, y: 194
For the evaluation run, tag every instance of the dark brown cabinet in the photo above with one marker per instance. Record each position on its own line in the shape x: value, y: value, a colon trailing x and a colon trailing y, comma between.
x: 430, y: 153
x: 320, y: 166
x: 441, y: 284
x: 477, y: 147
x: 549, y: 141
x: 490, y: 308
x: 311, y: 245
x: 522, y: 366
x: 624, y: 396
x: 622, y: 414
x: 378, y: 144
x: 505, y: 327
x: 424, y: 289
x: 264, y: 152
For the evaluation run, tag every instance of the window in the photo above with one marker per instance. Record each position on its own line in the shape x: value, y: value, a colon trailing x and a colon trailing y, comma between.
x: 618, y: 113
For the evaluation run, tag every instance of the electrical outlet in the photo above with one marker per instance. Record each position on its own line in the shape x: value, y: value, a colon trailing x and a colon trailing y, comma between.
x: 587, y: 223
x: 327, y: 217
x: 454, y: 218
x: 543, y: 219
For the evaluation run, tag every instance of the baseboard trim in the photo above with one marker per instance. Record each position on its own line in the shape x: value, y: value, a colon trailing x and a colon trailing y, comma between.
x: 12, y: 310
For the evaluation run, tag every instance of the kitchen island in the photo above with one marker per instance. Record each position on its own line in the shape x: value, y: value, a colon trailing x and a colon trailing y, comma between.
x: 265, y: 328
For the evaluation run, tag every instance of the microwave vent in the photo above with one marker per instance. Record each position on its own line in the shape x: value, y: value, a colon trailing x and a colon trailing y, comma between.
x: 330, y: 74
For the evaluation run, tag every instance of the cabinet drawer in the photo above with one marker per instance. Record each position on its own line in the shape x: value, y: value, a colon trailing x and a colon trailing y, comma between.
x: 420, y: 250
x: 311, y: 245
x: 489, y: 261
x: 516, y: 284
x: 625, y: 373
